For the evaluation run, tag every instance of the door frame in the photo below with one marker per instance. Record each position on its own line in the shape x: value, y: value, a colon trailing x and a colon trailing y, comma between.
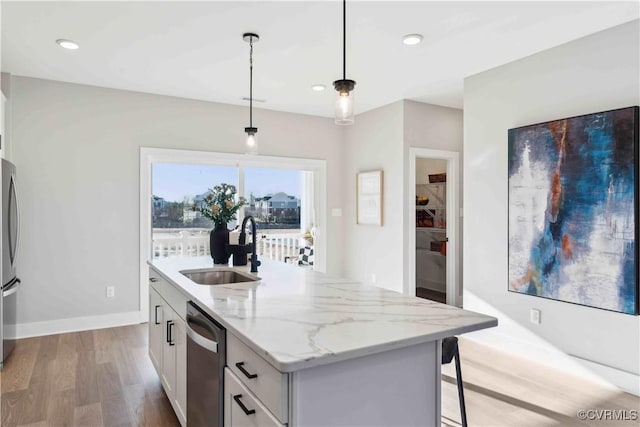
x: 149, y: 155
x: 453, y: 222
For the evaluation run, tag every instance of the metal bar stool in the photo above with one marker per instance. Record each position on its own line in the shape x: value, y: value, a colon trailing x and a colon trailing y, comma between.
x: 450, y: 351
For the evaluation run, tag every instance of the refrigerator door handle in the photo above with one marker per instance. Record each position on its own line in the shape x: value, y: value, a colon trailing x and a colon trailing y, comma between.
x: 12, y: 288
x: 15, y: 196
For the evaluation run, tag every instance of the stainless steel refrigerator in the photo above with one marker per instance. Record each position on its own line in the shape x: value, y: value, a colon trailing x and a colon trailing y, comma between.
x: 10, y: 237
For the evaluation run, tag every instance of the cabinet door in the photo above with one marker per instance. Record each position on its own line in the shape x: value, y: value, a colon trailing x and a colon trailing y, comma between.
x: 155, y: 329
x: 242, y: 408
x: 180, y: 337
x: 168, y: 371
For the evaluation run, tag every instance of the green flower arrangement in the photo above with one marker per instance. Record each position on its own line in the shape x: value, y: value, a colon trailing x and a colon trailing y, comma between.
x: 220, y: 204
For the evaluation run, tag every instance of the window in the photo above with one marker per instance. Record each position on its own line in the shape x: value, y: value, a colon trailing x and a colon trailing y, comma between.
x: 276, y: 198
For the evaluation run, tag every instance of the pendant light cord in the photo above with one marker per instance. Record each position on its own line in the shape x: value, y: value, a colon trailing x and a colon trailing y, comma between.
x: 344, y: 39
x: 251, y: 82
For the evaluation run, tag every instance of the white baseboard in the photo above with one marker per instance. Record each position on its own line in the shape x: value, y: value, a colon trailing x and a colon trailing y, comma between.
x: 75, y: 324
x: 553, y: 358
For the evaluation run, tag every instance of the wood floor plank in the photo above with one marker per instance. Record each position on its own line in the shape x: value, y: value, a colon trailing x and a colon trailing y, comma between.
x: 68, y: 343
x: 127, y: 367
x: 88, y: 415
x: 141, y: 407
x: 38, y: 424
x: 108, y: 380
x: 17, y: 371
x: 165, y: 412
x: 104, y: 340
x: 40, y: 386
x: 115, y: 411
x: 148, y: 374
x: 64, y: 375
x: 85, y: 341
x: 86, y: 379
x: 61, y: 409
x: 48, y: 347
x: 13, y: 404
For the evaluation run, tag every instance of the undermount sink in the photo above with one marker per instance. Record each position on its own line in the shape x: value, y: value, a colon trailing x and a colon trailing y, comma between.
x: 218, y: 276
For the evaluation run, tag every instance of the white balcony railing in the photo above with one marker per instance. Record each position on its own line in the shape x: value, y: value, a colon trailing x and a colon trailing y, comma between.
x: 274, y: 246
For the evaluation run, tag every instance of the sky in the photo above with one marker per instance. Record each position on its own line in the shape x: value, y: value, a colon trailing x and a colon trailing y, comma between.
x: 175, y: 181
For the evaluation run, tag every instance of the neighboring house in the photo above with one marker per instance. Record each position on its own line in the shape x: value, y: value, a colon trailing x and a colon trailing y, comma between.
x: 191, y: 210
x: 278, y: 207
x: 160, y: 207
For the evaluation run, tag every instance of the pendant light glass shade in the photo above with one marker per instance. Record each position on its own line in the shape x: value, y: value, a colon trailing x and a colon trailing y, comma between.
x: 252, y: 141
x: 344, y: 108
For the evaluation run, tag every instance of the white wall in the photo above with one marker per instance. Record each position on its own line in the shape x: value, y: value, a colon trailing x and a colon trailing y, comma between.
x: 596, y: 73
x: 76, y: 149
x: 5, y: 84
x: 375, y: 142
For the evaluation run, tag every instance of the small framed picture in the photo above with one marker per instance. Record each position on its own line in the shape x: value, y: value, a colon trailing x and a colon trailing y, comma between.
x: 369, y: 197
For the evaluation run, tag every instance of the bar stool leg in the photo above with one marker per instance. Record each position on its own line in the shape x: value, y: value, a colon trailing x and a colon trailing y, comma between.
x: 463, y: 410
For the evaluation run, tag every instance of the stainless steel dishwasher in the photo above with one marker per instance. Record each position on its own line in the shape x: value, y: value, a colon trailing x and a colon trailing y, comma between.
x: 206, y: 358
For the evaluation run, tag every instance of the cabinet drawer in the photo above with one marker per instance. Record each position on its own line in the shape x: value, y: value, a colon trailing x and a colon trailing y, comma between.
x: 176, y: 299
x: 266, y: 382
x: 242, y: 408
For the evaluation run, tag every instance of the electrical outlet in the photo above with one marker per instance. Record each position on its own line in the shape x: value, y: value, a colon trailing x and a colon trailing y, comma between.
x: 373, y: 278
x: 534, y: 316
x: 111, y: 291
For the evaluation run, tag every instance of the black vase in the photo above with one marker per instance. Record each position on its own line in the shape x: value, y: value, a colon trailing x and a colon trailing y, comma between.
x: 218, y: 241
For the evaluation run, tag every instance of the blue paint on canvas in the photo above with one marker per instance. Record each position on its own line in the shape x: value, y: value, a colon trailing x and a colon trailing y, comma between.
x: 572, y: 223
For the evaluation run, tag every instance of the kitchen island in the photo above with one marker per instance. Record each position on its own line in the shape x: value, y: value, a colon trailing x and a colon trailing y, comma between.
x: 331, y: 351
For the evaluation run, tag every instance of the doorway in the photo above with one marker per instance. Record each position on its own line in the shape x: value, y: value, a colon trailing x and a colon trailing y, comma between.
x: 431, y: 229
x: 432, y: 226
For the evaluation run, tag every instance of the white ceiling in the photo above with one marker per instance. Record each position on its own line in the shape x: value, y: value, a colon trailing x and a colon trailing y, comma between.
x: 195, y: 50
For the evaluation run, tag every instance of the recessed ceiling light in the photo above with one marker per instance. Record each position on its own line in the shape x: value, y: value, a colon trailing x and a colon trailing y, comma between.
x: 318, y: 88
x: 412, y: 39
x: 68, y: 44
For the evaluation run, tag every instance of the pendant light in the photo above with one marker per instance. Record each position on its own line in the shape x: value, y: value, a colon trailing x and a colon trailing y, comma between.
x: 344, y: 100
x: 252, y: 139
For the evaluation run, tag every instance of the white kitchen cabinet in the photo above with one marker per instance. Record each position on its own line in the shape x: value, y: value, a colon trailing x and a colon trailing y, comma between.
x: 242, y: 408
x: 269, y: 385
x: 155, y: 328
x: 168, y: 372
x: 389, y: 383
x: 180, y: 398
x: 168, y: 342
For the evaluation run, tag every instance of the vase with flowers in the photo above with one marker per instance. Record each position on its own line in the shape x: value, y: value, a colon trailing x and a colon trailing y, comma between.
x: 221, y: 206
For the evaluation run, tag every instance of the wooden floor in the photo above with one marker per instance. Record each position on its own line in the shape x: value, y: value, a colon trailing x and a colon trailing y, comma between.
x: 92, y: 378
x: 105, y: 378
x: 432, y: 295
x: 505, y: 390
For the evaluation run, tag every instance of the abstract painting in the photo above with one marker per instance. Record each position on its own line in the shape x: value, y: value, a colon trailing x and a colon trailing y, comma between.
x: 573, y: 202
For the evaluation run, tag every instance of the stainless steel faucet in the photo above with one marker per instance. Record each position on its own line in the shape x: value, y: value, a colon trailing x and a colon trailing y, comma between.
x: 243, y: 237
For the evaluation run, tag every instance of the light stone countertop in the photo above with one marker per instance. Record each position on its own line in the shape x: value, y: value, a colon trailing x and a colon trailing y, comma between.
x: 296, y: 318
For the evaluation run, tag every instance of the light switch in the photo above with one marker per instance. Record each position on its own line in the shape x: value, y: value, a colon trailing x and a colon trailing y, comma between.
x: 336, y: 212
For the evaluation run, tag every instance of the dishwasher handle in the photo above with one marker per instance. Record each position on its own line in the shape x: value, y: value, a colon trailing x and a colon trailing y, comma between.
x: 203, y: 342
